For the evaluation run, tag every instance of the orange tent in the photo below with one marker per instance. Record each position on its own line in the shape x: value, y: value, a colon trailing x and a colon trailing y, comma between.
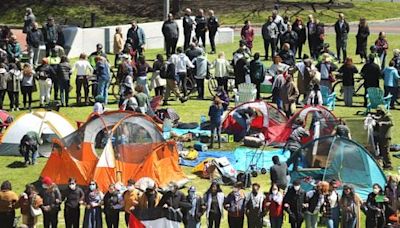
x: 115, y: 146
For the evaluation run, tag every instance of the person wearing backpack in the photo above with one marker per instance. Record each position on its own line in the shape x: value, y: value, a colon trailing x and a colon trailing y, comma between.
x: 257, y: 73
x: 168, y: 72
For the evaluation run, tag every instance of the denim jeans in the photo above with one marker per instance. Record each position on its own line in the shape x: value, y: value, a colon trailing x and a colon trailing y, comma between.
x: 311, y: 220
x: 351, y: 223
x: 31, y: 156
x: 276, y: 222
x: 34, y: 55
x: 143, y: 82
x: 102, y: 89
x: 335, y: 217
x: 192, y: 223
x: 64, y: 88
x: 348, y: 95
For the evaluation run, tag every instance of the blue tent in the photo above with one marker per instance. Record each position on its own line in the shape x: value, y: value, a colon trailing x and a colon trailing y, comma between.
x: 342, y: 159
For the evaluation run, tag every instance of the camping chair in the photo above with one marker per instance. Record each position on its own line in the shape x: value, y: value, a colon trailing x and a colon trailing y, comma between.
x: 375, y: 97
x: 246, y: 92
x: 328, y: 99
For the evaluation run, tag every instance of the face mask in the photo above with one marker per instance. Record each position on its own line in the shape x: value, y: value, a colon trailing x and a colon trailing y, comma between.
x: 297, y: 188
x: 45, y: 186
x: 131, y: 188
x: 235, y: 189
x: 191, y: 194
x: 274, y: 192
x: 72, y: 186
x: 92, y: 187
x: 376, y: 191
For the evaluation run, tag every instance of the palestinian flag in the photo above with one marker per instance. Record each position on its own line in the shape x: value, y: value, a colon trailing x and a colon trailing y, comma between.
x: 156, y: 218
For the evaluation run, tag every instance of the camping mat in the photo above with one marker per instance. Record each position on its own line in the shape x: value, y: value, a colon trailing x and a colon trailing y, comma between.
x: 209, y: 154
x: 244, y: 157
x: 241, y: 158
x: 197, y: 130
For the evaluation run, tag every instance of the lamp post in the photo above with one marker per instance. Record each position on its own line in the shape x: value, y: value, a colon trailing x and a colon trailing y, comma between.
x: 166, y: 9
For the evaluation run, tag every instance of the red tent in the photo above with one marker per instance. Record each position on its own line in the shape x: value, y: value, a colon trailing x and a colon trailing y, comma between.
x: 269, y: 123
x: 310, y: 114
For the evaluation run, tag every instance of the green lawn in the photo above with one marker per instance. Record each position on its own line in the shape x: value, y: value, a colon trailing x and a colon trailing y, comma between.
x: 189, y: 112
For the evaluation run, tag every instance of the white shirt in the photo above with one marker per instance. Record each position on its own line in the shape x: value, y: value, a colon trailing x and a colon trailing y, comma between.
x: 334, y: 199
x: 83, y: 67
x: 181, y: 62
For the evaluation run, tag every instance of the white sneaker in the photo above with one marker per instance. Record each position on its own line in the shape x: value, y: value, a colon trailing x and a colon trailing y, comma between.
x: 17, y: 109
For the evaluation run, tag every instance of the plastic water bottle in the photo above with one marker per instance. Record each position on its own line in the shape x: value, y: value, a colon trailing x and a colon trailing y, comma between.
x: 203, y: 119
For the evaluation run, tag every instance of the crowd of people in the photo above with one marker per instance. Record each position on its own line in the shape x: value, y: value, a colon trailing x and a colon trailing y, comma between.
x: 322, y: 205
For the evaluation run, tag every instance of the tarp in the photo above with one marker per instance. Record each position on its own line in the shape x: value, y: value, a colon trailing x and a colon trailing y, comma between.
x: 241, y: 158
x: 197, y: 131
x: 47, y: 124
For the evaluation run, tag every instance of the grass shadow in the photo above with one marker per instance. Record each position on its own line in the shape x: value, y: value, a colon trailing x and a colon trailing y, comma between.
x: 16, y: 165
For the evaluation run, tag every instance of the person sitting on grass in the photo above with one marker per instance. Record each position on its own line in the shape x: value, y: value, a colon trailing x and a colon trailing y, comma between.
x: 215, y: 113
x: 28, y: 147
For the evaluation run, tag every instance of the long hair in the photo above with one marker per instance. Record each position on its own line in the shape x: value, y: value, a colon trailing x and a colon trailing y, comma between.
x: 212, y: 185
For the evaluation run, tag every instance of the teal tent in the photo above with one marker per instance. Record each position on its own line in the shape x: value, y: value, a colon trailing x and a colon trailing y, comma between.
x: 341, y: 159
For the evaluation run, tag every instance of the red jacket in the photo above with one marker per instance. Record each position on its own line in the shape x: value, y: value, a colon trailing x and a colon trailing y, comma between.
x: 275, y: 209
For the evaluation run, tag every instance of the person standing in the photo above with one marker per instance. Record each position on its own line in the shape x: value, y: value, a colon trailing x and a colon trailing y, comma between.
x: 27, y: 85
x: 278, y: 20
x: 214, y: 200
x: 300, y: 29
x: 150, y: 198
x: 312, y: 36
x: 391, y: 78
x: 279, y: 173
x: 371, y: 73
x: 51, y: 202
x: 342, y: 29
x: 193, y: 215
x: 34, y: 38
x: 350, y: 204
x: 313, y: 203
x: 29, y: 20
x: 157, y: 82
x: 254, y: 207
x: 103, y: 77
x: 169, y: 72
x: 201, y: 27
x: 13, y: 50
x: 8, y: 204
x: 270, y: 33
x: 289, y: 94
x: 375, y: 216
x: 202, y: 67
x: 4, y: 76
x: 348, y: 70
x: 221, y: 70
x: 293, y: 203
x: 215, y: 113
x: 382, y: 46
x: 188, y: 25
x: 137, y: 38
x: 142, y: 69
x: 170, y: 31
x: 274, y: 203
x: 212, y: 27
x: 131, y: 198
x: 14, y: 86
x: 290, y: 37
x: 64, y: 75
x: 45, y: 73
x: 362, y: 39
x: 257, y: 73
x: 326, y: 68
x: 73, y: 197
x: 93, y: 202
x: 83, y: 70
x: 113, y: 202
x: 247, y: 34
x: 30, y: 201
x: 52, y: 35
x: 234, y: 203
x: 181, y: 62
x: 384, y: 129
x: 118, y: 45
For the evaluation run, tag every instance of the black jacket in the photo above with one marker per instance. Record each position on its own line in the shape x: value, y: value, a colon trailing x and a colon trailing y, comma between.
x: 187, y: 24
x: 64, y: 71
x: 175, y: 200
x: 287, y: 57
x: 110, y: 201
x: 53, y: 35
x: 290, y: 38
x: 301, y: 34
x: 34, y: 38
x: 371, y: 73
x: 279, y: 175
x: 72, y: 197
x: 199, y: 211
x: 170, y: 30
x: 201, y: 24
x: 212, y: 24
x: 342, y: 32
x: 295, y: 200
x: 45, y: 71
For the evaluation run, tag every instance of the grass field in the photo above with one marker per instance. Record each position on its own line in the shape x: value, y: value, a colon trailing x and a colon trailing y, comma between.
x: 189, y: 112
